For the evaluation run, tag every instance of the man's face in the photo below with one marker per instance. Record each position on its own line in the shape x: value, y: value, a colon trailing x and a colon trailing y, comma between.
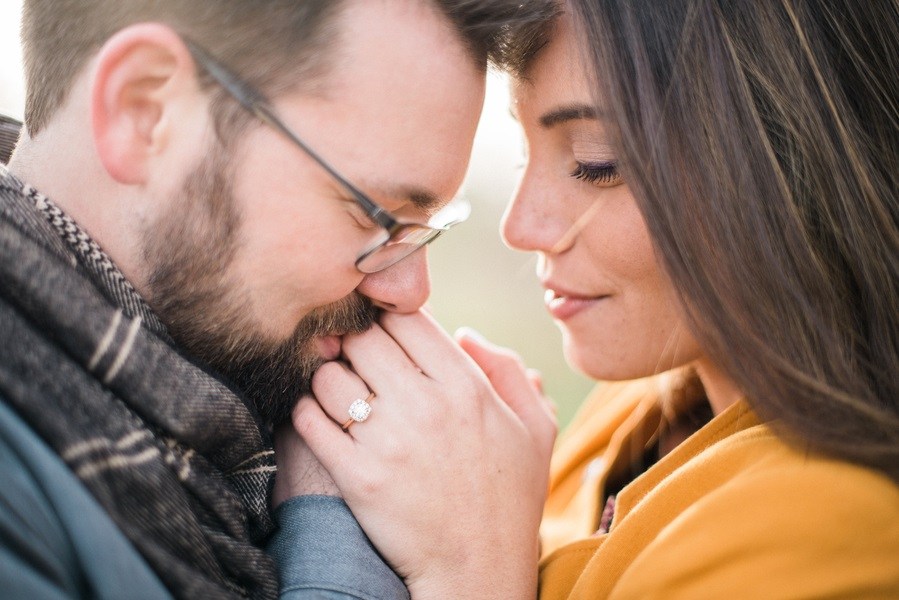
x: 253, y: 266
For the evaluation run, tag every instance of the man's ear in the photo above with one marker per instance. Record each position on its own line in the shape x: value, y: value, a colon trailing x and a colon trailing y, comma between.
x: 140, y: 72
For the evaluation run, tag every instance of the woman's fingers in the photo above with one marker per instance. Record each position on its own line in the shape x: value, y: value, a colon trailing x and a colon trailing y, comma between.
x: 514, y: 384
x: 536, y: 379
x: 377, y: 358
x: 342, y: 394
x: 436, y: 438
x: 331, y: 445
x: 426, y: 343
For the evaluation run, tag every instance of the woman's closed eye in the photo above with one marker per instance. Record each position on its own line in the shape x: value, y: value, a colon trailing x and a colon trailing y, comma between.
x: 602, y: 174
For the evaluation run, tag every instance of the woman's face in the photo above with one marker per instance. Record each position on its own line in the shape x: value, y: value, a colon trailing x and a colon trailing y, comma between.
x: 618, y: 313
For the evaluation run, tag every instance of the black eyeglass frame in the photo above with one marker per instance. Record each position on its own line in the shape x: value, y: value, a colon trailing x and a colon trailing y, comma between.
x: 257, y: 104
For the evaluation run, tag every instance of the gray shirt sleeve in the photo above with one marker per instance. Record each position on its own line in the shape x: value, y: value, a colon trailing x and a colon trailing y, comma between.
x: 322, y: 552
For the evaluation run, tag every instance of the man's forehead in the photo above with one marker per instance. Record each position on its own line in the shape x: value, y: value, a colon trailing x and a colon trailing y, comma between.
x: 411, y: 35
x: 402, y: 105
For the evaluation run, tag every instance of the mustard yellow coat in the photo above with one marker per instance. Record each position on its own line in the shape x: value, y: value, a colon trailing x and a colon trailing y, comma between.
x: 732, y: 512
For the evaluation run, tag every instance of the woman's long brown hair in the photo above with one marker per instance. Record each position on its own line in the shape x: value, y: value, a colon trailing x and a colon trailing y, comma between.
x: 761, y: 141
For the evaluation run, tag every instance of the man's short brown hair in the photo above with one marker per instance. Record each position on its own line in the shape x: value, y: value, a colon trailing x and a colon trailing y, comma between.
x: 273, y: 44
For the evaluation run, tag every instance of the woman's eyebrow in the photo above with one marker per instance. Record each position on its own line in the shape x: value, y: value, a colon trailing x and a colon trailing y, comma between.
x: 569, y: 113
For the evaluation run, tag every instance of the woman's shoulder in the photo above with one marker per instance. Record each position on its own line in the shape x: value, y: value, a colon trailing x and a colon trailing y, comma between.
x: 763, y: 464
x: 612, y: 404
x: 768, y: 516
x: 738, y: 465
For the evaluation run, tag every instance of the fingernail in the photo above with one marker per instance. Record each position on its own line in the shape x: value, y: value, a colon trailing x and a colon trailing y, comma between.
x: 471, y: 334
x: 536, y: 378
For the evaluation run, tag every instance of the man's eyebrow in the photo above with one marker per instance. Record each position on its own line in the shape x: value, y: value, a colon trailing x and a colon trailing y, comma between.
x: 423, y: 199
x: 571, y: 112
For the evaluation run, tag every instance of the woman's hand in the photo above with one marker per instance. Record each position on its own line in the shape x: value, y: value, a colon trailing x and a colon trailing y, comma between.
x: 449, y: 473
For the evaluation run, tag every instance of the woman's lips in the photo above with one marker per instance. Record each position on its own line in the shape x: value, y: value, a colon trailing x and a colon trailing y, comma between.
x: 563, y: 306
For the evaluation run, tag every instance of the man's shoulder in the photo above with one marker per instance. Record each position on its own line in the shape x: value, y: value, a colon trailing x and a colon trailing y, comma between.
x: 55, y: 540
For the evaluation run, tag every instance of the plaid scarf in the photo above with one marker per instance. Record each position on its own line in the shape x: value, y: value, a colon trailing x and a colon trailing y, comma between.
x: 173, y: 456
x: 9, y: 133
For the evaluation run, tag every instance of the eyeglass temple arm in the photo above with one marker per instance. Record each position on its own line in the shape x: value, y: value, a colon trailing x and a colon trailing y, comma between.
x: 257, y: 104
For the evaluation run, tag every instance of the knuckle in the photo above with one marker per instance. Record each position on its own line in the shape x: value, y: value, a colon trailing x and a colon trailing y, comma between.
x: 326, y: 377
x: 509, y: 359
x: 303, y: 421
x: 395, y: 455
x: 368, y: 488
x: 431, y: 421
x: 466, y: 392
x: 369, y: 482
x: 326, y: 373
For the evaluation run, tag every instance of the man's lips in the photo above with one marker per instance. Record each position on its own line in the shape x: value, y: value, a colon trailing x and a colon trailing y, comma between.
x: 563, y: 305
x: 329, y: 346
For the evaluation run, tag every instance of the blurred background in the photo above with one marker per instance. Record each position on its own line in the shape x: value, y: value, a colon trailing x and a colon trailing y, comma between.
x: 477, y: 281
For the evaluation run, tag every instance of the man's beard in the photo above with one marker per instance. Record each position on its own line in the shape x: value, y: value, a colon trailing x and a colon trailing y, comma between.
x: 188, y: 253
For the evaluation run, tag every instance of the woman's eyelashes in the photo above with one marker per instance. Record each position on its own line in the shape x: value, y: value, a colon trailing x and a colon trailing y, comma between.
x: 604, y: 174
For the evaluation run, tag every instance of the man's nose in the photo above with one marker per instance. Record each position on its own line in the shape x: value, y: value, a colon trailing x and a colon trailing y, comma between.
x: 403, y: 287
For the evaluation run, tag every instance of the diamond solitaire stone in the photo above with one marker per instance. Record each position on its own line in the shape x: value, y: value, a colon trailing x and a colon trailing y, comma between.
x: 359, y: 410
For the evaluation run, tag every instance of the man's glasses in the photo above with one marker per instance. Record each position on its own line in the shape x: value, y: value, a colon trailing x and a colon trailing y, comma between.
x: 399, y: 238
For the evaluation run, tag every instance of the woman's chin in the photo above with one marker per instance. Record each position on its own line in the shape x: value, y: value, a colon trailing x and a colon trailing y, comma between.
x: 598, y: 358
x: 584, y: 360
x: 603, y: 365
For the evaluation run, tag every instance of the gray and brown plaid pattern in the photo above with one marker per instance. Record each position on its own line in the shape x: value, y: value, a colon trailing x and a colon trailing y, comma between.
x: 173, y: 455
